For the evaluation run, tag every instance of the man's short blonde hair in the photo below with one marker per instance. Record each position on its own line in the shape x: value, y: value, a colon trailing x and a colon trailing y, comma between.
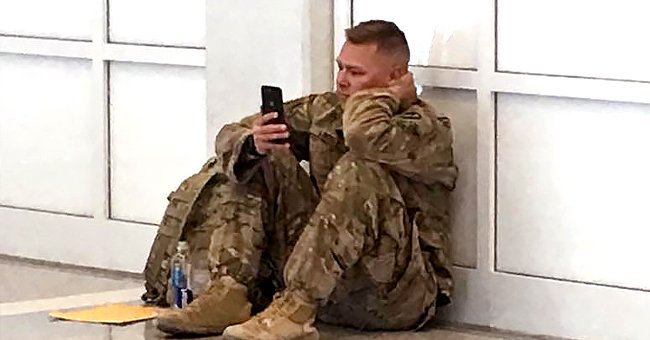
x: 388, y: 37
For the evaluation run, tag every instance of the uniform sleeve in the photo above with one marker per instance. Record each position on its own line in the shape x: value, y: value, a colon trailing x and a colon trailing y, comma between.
x: 236, y: 152
x: 414, y: 142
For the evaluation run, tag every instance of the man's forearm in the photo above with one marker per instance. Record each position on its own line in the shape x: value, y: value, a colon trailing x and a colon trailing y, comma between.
x: 248, y: 158
x: 415, y: 142
x: 229, y: 145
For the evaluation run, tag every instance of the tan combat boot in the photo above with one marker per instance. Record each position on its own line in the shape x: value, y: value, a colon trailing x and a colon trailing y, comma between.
x: 289, y: 317
x: 225, y: 303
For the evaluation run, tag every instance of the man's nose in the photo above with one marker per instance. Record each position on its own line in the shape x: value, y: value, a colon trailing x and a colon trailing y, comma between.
x: 342, y: 79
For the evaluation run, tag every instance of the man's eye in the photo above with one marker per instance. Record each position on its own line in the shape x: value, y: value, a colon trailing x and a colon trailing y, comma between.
x: 356, y: 73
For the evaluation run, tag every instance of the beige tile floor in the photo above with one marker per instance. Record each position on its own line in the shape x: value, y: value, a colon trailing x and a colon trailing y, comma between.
x: 29, y: 290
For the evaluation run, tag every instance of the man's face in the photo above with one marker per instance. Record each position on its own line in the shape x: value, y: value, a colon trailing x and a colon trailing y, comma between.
x: 361, y: 67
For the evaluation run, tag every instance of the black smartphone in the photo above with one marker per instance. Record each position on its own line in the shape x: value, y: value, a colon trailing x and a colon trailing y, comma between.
x: 272, y: 102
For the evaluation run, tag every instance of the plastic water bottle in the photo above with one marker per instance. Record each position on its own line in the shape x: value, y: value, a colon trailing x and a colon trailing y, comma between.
x: 180, y: 273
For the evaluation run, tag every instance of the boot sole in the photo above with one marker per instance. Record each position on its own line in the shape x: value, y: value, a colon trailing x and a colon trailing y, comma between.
x: 310, y: 336
x: 198, y: 331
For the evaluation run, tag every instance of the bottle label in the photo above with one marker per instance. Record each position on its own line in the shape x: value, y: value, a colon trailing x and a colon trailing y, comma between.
x: 178, y: 278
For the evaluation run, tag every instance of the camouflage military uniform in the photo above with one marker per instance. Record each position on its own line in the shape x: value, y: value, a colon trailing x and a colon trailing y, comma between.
x: 365, y: 233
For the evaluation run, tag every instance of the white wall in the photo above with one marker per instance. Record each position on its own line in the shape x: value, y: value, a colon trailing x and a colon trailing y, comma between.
x: 283, y: 43
x: 131, y: 121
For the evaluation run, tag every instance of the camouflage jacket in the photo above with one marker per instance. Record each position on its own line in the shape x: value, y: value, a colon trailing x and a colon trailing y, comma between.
x: 414, y: 144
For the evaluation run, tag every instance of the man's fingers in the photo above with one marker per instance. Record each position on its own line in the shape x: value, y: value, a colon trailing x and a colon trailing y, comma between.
x: 269, y: 116
x: 272, y: 136
x: 406, y: 78
x: 270, y: 128
x: 264, y: 118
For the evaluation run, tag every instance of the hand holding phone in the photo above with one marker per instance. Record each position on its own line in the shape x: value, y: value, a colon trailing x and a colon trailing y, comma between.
x: 270, y: 131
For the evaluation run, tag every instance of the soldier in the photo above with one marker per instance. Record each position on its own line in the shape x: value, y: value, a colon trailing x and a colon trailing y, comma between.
x: 361, y: 240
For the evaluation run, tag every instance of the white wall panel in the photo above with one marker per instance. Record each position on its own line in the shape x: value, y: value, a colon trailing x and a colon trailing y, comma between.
x: 573, y: 189
x: 605, y: 39
x: 157, y: 124
x: 65, y: 19
x: 460, y: 107
x: 47, y: 131
x: 264, y: 50
x: 439, y: 32
x: 81, y: 241
x: 157, y: 22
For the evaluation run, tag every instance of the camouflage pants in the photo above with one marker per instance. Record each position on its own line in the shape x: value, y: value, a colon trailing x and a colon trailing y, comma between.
x: 353, y: 249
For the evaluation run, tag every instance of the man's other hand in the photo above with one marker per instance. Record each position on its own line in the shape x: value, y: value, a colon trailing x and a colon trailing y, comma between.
x: 404, y: 89
x: 264, y: 134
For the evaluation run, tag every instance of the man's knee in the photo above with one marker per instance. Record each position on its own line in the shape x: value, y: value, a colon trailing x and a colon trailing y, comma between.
x: 353, y: 175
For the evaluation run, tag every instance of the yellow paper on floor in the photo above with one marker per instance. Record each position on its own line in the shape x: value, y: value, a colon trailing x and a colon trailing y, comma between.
x: 118, y: 313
